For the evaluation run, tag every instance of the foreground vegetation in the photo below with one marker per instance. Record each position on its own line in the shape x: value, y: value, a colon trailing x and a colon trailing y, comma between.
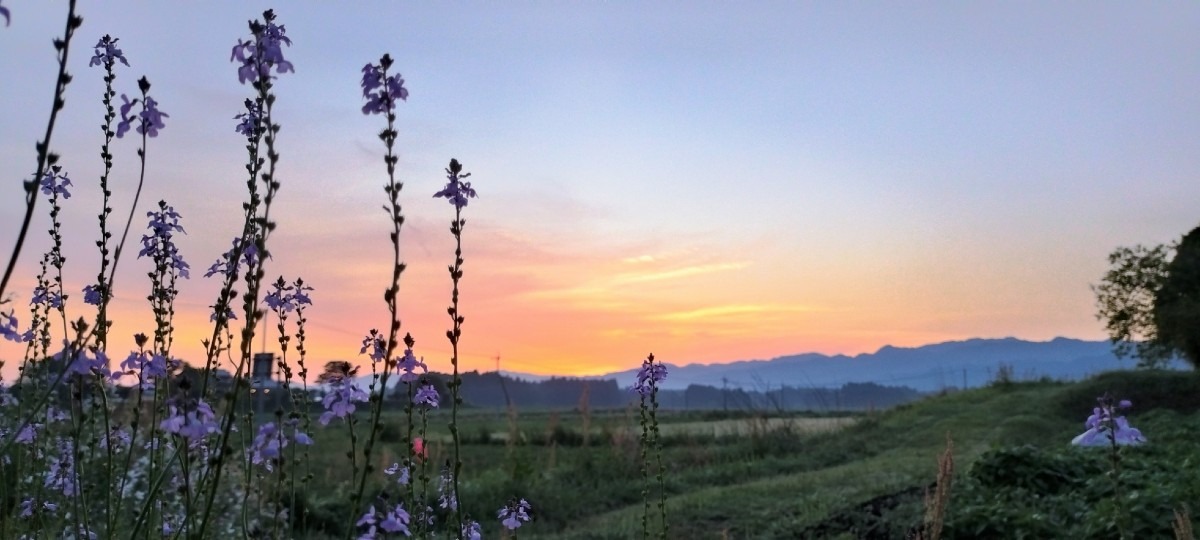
x: 791, y: 476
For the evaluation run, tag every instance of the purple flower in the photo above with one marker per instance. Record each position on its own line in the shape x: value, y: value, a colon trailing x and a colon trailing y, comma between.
x: 270, y: 442
x: 426, y: 395
x: 8, y: 328
x: 60, y: 470
x: 446, y: 497
x: 55, y: 183
x: 1105, y: 428
x: 472, y: 530
x: 229, y: 314
x: 160, y: 245
x: 149, y: 120
x: 396, y: 521
x: 512, y: 515
x: 380, y: 90
x: 339, y: 401
x: 456, y: 191
x: 27, y: 505
x: 192, y: 423
x: 264, y: 52
x: 96, y: 364
x: 4, y: 11
x: 117, y: 439
x: 43, y: 296
x: 27, y: 433
x: 409, y: 364
x: 649, y: 376
x: 374, y: 343
x: 285, y: 298
x: 126, y: 120
x: 91, y: 295
x: 230, y: 261
x: 107, y: 53
x: 266, y: 445
x: 251, y: 120
x: 401, y: 473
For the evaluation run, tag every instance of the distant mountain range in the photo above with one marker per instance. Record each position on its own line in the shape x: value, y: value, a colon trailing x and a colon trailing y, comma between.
x: 970, y: 363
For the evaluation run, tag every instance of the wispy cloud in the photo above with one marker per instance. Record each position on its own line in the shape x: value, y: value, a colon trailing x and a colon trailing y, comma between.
x: 732, y: 310
x: 676, y: 273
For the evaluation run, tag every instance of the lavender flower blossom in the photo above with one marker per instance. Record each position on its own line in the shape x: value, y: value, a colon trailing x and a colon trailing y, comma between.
x: 91, y: 295
x: 107, y: 52
x: 381, y: 92
x: 251, y: 121
x: 60, y: 471
x: 1105, y: 428
x: 396, y: 521
x: 264, y: 52
x: 95, y: 363
x: 270, y: 442
x: 194, y: 424
x: 287, y: 298
x: 512, y: 515
x: 147, y: 367
x: 426, y: 395
x: 339, y: 401
x: 43, y: 296
x: 126, y: 120
x: 375, y: 344
x: 28, y: 433
x: 56, y: 182
x: 456, y: 191
x: 231, y: 260
x: 161, y: 243
x: 649, y: 376
x: 409, y: 364
x: 8, y: 329
x: 446, y: 496
x: 400, y: 472
x: 27, y: 505
x: 472, y: 530
x: 229, y: 314
x: 149, y: 120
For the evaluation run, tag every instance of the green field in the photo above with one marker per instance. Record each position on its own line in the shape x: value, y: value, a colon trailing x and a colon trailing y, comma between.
x: 758, y: 475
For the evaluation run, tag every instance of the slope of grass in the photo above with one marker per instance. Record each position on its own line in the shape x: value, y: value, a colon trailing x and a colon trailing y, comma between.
x: 841, y: 477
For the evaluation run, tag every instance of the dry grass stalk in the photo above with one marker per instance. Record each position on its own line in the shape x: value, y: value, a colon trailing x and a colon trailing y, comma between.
x: 1183, y: 524
x: 937, y: 502
x: 585, y: 411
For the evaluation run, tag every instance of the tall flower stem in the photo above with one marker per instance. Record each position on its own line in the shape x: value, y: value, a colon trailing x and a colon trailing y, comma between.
x: 256, y: 229
x: 144, y: 86
x: 454, y: 335
x: 388, y: 95
x: 45, y: 158
x: 458, y: 193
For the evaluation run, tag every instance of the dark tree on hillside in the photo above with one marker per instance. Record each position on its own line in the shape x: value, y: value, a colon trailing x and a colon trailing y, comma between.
x: 1125, y: 301
x: 1176, y: 310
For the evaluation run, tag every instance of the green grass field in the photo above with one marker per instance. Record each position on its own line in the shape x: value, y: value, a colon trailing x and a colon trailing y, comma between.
x: 750, y: 475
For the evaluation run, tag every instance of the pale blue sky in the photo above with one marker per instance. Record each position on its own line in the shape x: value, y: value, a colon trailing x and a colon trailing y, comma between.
x: 899, y: 173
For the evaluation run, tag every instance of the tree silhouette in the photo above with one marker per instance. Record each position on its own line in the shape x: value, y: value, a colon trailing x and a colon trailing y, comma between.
x: 1176, y: 310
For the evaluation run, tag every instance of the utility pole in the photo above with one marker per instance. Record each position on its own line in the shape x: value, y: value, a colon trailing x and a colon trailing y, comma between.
x: 725, y: 393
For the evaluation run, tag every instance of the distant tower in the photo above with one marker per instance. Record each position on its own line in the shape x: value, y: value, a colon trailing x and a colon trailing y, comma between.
x: 261, y: 383
x: 261, y: 368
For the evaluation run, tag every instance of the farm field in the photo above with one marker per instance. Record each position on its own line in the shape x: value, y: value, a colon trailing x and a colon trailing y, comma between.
x: 742, y: 474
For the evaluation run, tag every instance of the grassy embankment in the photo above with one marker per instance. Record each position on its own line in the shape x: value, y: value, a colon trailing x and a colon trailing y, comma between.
x: 738, y: 475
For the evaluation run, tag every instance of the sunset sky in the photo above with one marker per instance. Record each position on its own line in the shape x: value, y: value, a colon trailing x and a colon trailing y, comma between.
x: 708, y: 181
